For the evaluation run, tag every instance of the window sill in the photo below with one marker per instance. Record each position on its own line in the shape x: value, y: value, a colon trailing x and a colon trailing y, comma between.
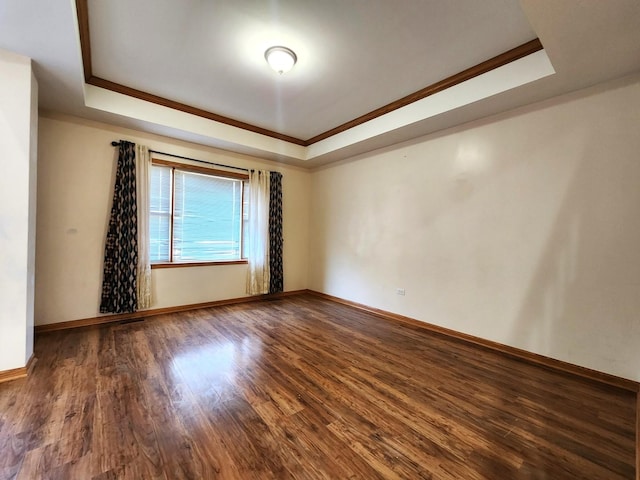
x: 197, y: 264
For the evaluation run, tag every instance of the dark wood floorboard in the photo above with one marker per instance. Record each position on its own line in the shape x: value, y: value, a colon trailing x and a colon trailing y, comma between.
x: 302, y: 388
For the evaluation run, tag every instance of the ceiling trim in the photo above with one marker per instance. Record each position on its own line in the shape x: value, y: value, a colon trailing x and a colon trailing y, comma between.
x: 165, y: 102
x: 82, y: 9
x: 509, y: 56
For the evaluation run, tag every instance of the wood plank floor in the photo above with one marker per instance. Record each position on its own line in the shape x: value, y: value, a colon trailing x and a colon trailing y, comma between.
x: 302, y: 388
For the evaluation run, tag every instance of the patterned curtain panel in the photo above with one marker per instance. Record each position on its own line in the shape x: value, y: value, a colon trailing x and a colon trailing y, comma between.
x: 119, y: 285
x: 276, y: 283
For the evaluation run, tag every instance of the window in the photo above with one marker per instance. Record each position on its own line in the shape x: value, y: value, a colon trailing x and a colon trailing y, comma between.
x: 196, y: 215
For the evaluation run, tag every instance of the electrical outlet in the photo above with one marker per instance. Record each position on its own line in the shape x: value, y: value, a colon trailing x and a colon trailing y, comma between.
x: 400, y: 291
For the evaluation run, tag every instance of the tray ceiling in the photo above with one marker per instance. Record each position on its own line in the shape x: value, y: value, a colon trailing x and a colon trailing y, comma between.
x: 355, y: 58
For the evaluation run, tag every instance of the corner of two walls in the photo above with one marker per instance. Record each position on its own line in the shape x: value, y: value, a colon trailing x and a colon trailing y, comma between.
x: 75, y: 188
x: 522, y: 229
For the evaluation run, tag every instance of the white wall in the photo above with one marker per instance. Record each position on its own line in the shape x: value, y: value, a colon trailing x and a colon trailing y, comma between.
x: 76, y: 174
x: 523, y: 229
x: 18, y: 129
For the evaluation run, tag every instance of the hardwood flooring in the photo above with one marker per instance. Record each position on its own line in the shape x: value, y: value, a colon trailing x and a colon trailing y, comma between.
x: 302, y: 388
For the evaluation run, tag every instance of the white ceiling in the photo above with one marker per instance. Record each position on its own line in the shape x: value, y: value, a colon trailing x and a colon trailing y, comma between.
x: 354, y: 56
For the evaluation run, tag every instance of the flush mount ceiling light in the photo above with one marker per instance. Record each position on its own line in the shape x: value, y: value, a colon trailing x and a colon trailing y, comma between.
x: 281, y: 59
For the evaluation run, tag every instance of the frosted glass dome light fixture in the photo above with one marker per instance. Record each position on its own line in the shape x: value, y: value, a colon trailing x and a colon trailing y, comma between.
x: 281, y: 59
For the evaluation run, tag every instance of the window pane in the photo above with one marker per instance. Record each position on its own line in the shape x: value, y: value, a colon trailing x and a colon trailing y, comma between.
x: 207, y: 220
x: 159, y: 238
x: 159, y: 213
x: 245, y: 219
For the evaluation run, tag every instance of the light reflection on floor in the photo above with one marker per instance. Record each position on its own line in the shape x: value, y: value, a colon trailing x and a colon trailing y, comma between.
x: 213, y: 370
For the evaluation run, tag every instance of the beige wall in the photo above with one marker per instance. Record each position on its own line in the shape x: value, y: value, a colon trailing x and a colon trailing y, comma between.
x: 74, y: 198
x: 18, y: 157
x: 523, y: 229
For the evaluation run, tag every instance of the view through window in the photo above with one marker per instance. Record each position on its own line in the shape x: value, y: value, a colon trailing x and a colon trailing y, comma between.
x: 196, y: 216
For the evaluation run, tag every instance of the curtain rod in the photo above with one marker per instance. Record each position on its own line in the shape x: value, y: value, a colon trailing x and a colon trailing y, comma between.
x: 116, y: 144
